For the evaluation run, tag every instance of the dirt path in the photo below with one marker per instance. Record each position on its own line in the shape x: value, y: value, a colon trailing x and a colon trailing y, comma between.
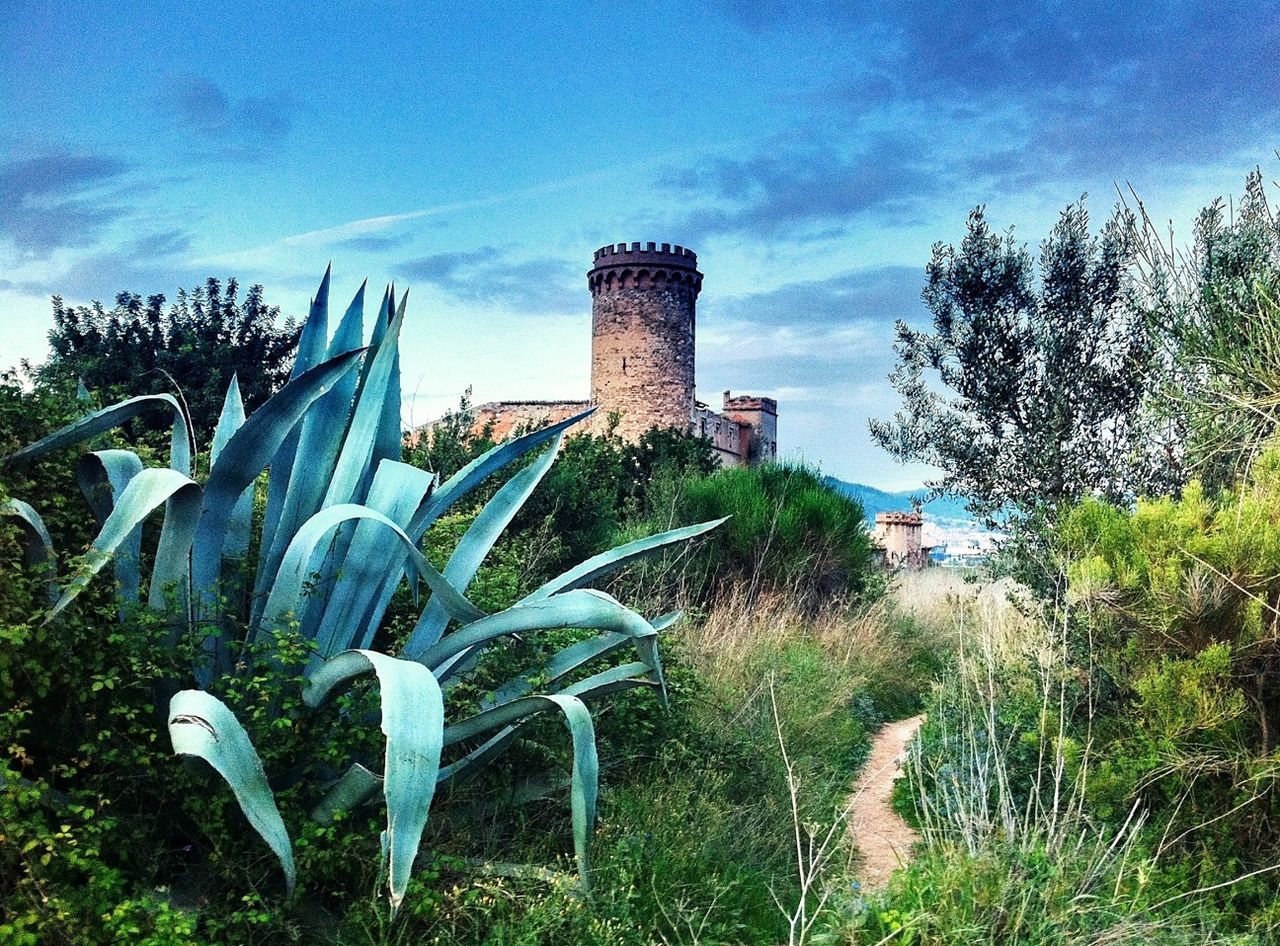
x: 884, y: 840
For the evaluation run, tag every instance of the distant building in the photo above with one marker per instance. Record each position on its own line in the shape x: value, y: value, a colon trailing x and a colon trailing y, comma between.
x: 643, y: 316
x: 900, y: 538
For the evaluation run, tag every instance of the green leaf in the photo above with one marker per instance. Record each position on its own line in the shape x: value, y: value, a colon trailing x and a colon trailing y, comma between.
x: 103, y: 476
x: 37, y: 546
x: 583, y: 608
x: 478, y: 540
x: 373, y: 555
x: 296, y: 568
x: 595, y: 568
x: 480, y: 469
x: 585, y: 778
x: 240, y: 523
x: 146, y: 492
x: 109, y: 418
x: 201, y: 725
x: 413, y: 722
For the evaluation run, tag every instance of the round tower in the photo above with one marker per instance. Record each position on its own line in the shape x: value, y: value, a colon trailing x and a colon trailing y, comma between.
x: 643, y: 297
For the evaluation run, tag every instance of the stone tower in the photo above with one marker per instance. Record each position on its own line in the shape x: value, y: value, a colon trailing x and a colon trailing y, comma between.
x: 643, y: 297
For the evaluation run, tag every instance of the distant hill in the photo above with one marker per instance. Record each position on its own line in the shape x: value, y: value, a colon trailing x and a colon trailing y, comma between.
x: 944, y: 510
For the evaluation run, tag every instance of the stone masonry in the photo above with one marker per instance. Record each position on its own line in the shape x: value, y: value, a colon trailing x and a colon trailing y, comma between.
x: 643, y: 320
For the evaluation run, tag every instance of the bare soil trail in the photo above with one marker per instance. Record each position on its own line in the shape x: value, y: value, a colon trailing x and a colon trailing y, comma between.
x: 884, y: 840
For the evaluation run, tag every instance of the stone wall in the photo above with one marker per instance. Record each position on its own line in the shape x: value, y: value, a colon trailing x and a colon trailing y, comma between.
x: 508, y: 417
x: 644, y: 298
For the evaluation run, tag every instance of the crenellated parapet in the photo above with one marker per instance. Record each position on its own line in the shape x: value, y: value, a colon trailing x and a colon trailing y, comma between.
x: 644, y: 266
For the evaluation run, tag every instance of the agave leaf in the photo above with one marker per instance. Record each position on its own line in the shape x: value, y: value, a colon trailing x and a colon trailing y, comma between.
x: 109, y: 418
x: 373, y: 554
x: 585, y: 778
x: 291, y: 582
x: 356, y: 786
x: 311, y: 348
x: 357, y: 448
x: 388, y: 444
x: 565, y: 662
x: 583, y: 608
x: 240, y: 524
x: 37, y: 545
x: 147, y: 491
x: 479, y: 539
x: 322, y: 431
x: 413, y: 722
x: 103, y: 476
x: 242, y: 458
x: 201, y: 725
x: 480, y: 469
x: 596, y: 567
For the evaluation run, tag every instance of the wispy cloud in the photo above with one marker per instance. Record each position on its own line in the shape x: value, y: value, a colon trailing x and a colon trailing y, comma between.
x: 153, y: 262
x: 57, y: 200
x: 540, y: 285
x: 226, y: 128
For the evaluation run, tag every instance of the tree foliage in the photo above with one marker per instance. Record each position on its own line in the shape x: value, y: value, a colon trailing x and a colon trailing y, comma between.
x: 206, y: 336
x: 1027, y: 391
x: 1219, y: 304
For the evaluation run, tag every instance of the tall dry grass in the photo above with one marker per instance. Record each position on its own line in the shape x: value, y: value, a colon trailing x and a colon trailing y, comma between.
x: 1009, y: 853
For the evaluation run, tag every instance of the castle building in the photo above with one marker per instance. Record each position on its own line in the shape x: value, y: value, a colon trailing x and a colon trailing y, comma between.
x: 643, y: 325
x: 900, y: 538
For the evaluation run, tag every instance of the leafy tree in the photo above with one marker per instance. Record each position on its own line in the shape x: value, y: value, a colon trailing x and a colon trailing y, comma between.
x: 1220, y: 302
x: 205, y: 337
x: 1028, y: 391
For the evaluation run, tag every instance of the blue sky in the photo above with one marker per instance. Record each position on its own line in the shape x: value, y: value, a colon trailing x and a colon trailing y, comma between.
x: 478, y: 153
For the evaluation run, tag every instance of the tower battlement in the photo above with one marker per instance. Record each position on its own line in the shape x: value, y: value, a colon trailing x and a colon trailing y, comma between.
x: 644, y: 266
x: 644, y: 299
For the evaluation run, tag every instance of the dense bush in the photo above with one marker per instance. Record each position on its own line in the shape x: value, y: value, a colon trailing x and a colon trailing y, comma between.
x: 1179, y: 599
x: 788, y: 532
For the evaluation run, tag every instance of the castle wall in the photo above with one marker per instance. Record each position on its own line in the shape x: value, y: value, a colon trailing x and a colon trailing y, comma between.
x: 729, y: 438
x: 759, y: 417
x: 504, y: 418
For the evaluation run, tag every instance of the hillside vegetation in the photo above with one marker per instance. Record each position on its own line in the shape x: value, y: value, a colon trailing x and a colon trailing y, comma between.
x: 622, y: 696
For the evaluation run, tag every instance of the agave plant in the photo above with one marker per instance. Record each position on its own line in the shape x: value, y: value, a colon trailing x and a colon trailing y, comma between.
x: 345, y: 515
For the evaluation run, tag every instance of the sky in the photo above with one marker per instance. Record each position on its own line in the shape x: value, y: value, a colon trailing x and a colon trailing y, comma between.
x: 477, y: 154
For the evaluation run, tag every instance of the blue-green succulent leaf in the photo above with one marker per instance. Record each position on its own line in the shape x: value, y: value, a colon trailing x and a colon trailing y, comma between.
x: 322, y: 432
x: 201, y: 725
x: 146, y: 492
x: 103, y: 476
x: 480, y: 469
x: 290, y: 586
x: 244, y: 456
x: 311, y: 348
x: 374, y: 554
x: 413, y: 722
x: 585, y: 777
x: 241, y: 521
x: 357, y: 448
x: 37, y: 545
x: 597, y: 567
x: 479, y: 539
x: 109, y: 418
x: 584, y: 608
